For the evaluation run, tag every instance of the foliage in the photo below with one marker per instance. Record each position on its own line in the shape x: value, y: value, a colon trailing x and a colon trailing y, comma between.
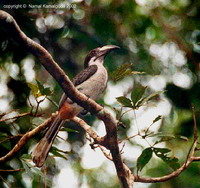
x: 137, y: 98
x: 39, y: 90
x: 146, y: 155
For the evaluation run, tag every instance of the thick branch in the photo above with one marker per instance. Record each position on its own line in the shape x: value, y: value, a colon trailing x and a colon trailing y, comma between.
x: 47, y: 61
x: 173, y: 174
x: 164, y: 178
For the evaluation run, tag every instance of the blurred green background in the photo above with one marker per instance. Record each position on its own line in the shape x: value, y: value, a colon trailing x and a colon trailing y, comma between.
x: 158, y: 37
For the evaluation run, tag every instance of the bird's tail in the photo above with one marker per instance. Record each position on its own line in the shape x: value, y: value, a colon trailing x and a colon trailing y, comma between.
x: 41, y: 150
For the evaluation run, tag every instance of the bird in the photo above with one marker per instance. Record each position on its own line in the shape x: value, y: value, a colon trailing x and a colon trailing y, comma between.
x: 91, y: 81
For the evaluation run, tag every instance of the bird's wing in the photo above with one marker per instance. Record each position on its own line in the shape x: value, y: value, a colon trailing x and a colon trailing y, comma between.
x: 84, y: 75
x: 79, y: 79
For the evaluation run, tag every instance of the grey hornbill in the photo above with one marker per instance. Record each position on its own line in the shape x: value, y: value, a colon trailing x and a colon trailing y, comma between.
x: 92, y: 82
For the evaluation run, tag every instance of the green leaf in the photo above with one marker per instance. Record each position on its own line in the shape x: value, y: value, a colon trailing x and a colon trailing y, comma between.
x: 124, y: 101
x: 4, y: 141
x: 44, y: 91
x: 160, y: 151
x: 122, y: 71
x: 65, y: 32
x: 53, y: 102
x: 173, y: 163
x: 44, y: 176
x: 164, y: 139
x: 157, y: 118
x: 136, y: 72
x: 137, y: 94
x: 161, y: 134
x: 153, y: 95
x: 143, y: 100
x: 26, y: 156
x: 144, y: 158
x: 167, y: 135
x: 182, y: 137
x: 40, y: 86
x: 4, y: 45
x: 69, y: 130
x: 162, y: 154
x: 57, y: 153
x: 32, y: 170
x: 35, y: 90
x: 140, y: 102
x: 39, y: 172
x: 27, y: 168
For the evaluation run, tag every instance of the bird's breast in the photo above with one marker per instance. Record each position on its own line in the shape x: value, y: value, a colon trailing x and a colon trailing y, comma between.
x: 96, y: 84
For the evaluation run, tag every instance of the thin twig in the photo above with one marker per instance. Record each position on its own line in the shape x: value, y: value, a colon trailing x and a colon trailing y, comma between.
x: 17, y: 117
x: 105, y: 154
x: 9, y: 186
x: 11, y: 170
x: 53, y: 102
x: 88, y: 130
x: 195, y: 123
x: 27, y: 136
x: 11, y: 137
x: 128, y: 138
x: 45, y: 176
x: 121, y: 150
x: 136, y: 122
x: 38, y: 104
x: 122, y: 114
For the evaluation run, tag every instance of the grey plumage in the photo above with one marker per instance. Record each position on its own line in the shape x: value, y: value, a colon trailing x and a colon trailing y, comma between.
x: 79, y: 79
x: 92, y: 82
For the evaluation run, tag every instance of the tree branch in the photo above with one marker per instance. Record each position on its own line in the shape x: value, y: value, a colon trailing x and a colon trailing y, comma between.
x: 25, y: 138
x: 189, y: 159
x: 88, y: 129
x: 169, y: 176
x: 17, y: 117
x: 10, y: 170
x: 50, y: 65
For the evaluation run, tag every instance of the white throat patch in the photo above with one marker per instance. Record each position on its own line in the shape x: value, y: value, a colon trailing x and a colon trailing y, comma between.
x: 96, y: 61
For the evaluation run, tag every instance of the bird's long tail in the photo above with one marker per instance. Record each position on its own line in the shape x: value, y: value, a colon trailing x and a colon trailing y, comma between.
x: 41, y: 150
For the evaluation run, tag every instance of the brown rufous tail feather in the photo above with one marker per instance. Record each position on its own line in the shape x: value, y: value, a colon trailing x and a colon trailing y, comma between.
x: 41, y: 150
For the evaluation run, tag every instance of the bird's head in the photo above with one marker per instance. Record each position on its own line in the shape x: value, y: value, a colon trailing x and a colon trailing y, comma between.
x: 98, y: 54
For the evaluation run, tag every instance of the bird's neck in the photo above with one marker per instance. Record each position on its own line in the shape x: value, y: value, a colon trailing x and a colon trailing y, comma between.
x: 98, y: 62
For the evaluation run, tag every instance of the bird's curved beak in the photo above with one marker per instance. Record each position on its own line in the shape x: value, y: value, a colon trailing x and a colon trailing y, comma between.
x: 103, y: 51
